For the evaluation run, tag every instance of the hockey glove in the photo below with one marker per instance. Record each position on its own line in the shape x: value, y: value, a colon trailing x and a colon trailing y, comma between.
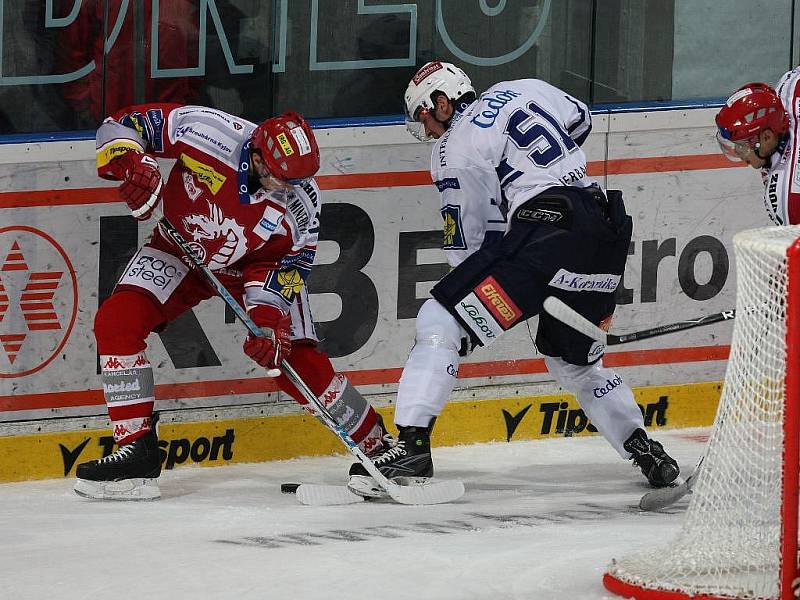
x: 263, y: 350
x: 142, y: 182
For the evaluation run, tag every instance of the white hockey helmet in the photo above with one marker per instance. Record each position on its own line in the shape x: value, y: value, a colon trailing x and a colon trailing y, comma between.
x: 433, y: 77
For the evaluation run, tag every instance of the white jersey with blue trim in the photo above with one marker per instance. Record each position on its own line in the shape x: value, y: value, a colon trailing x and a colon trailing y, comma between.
x: 516, y: 140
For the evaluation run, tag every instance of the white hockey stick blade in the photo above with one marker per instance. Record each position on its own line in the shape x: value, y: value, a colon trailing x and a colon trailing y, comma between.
x: 312, y: 494
x: 557, y: 309
x: 434, y: 492
x: 664, y: 497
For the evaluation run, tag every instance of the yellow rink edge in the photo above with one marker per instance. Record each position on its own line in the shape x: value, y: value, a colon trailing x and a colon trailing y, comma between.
x: 259, y: 439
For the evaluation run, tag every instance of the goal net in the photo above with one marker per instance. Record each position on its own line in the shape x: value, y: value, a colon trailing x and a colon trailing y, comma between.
x: 739, y: 536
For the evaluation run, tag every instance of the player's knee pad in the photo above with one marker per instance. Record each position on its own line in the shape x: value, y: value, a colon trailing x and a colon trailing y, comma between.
x: 436, y: 327
x: 123, y: 322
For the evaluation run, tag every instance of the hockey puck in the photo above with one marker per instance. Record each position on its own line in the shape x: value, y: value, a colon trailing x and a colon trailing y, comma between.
x: 289, y: 488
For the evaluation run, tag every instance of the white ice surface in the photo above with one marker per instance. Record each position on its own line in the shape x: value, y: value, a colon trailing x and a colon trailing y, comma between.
x: 539, y: 520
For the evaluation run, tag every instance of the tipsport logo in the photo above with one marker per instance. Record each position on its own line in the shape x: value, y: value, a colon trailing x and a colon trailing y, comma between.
x: 38, y: 300
x: 215, y: 449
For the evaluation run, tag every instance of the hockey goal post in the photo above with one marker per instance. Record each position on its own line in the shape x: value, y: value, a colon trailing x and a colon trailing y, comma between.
x: 739, y: 535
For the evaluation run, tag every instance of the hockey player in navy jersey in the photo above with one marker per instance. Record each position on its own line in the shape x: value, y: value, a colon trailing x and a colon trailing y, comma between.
x: 521, y: 222
x: 755, y: 126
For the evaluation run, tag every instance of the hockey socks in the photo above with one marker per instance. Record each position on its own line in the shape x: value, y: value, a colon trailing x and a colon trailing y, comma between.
x: 129, y: 392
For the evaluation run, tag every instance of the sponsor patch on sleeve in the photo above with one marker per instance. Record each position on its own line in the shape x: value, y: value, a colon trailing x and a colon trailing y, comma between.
x: 155, y: 116
x: 205, y: 174
x: 268, y: 223
x: 447, y: 183
x: 115, y: 149
x: 453, y: 230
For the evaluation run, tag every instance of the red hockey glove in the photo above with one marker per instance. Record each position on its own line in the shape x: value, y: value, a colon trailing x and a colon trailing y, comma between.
x: 142, y: 182
x: 263, y: 350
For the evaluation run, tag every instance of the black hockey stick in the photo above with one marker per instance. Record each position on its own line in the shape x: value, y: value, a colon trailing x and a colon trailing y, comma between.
x: 556, y: 308
x: 429, y: 493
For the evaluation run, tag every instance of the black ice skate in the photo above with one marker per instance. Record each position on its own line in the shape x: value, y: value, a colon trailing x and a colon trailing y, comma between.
x: 658, y: 466
x: 407, y: 461
x: 129, y: 473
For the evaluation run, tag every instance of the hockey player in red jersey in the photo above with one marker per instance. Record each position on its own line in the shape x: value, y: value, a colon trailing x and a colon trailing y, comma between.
x: 244, y: 198
x: 754, y: 126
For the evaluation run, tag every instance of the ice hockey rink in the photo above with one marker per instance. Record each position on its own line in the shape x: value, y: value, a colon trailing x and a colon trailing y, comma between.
x: 539, y: 520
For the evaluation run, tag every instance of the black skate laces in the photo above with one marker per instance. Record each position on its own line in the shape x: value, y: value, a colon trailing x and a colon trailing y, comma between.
x: 121, y: 453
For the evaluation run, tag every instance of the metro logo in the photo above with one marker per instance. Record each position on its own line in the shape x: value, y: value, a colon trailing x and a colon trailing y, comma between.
x: 38, y: 300
x: 495, y: 298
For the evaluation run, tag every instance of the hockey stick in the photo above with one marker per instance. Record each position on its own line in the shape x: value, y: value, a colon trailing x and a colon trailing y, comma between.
x: 215, y: 283
x: 429, y: 493
x: 556, y: 308
x: 663, y: 497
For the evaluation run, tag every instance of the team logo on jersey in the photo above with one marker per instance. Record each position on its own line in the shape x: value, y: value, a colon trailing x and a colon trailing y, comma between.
x: 285, y: 144
x: 38, y: 301
x: 499, y: 303
x: 291, y: 283
x: 222, y: 239
x: 204, y: 173
x: 288, y: 282
x: 453, y: 231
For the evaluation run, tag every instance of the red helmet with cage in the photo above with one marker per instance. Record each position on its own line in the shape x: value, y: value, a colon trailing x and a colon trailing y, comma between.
x: 753, y: 108
x: 288, y: 147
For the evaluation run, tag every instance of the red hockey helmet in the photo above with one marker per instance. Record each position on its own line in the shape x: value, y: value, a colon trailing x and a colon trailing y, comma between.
x: 288, y: 147
x: 753, y: 108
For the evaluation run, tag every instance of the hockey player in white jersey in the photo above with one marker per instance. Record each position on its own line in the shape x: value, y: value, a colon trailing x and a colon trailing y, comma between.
x: 521, y: 222
x: 754, y: 126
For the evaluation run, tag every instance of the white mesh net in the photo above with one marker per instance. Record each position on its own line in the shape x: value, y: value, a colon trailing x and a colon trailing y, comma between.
x: 729, y: 545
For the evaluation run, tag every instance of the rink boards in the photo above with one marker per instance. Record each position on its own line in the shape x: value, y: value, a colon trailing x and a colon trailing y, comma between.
x: 255, y: 439
x: 64, y: 240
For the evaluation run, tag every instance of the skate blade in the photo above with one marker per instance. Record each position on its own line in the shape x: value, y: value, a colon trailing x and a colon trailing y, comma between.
x: 126, y: 489
x: 312, y: 494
